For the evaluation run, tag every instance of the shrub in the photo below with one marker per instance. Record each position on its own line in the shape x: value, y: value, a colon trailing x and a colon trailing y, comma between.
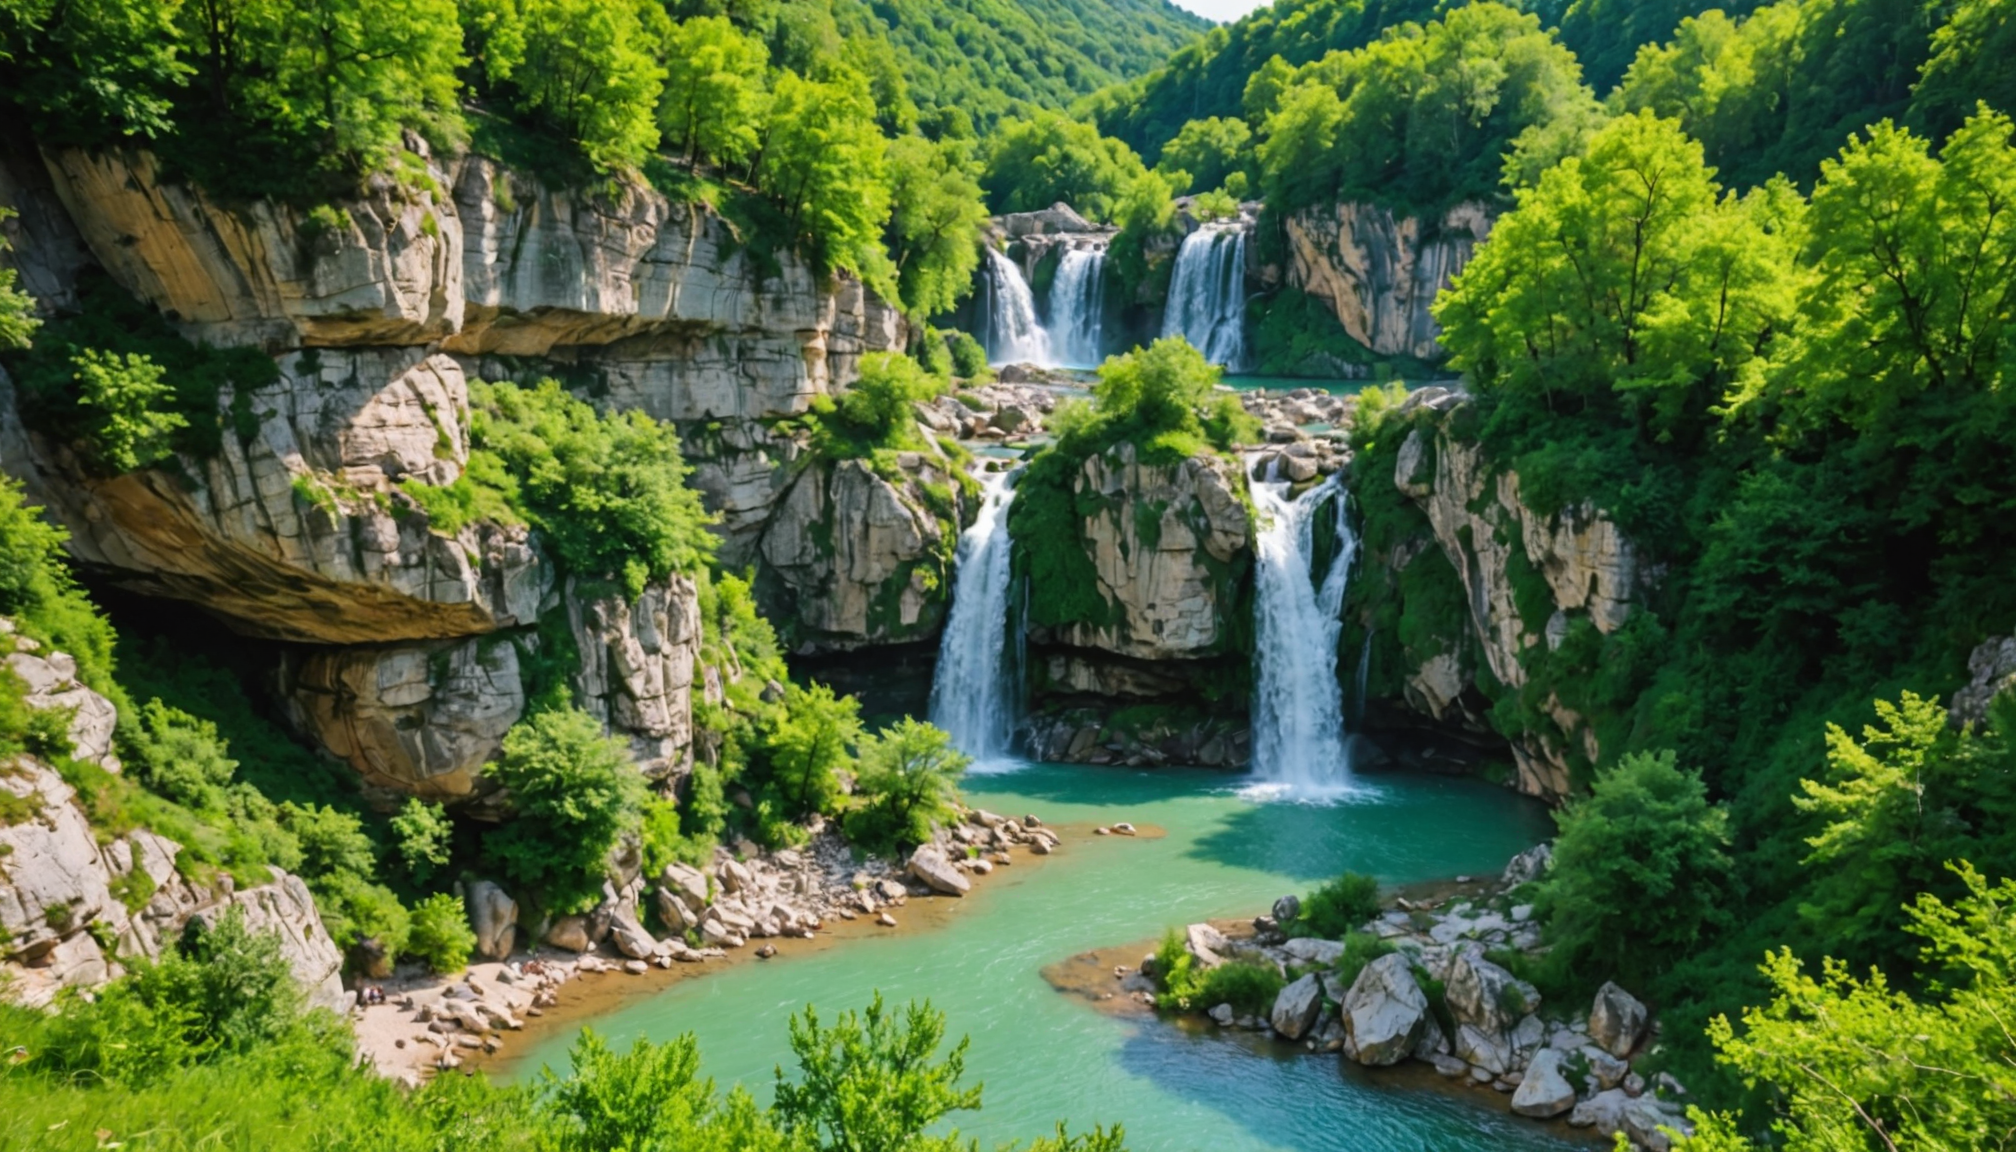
x: 875, y: 412
x: 1334, y: 910
x: 909, y: 781
x: 574, y: 792
x: 1360, y: 949
x: 441, y: 936
x: 128, y: 428
x: 181, y: 757
x: 1249, y: 987
x: 969, y: 359
x: 872, y: 1080
x: 808, y: 745
x: 420, y: 837
x: 1641, y: 866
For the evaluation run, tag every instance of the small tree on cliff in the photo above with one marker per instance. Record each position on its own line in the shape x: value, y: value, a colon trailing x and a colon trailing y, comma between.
x: 576, y: 792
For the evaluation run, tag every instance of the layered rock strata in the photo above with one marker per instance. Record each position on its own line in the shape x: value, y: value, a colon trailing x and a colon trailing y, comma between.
x: 1378, y: 272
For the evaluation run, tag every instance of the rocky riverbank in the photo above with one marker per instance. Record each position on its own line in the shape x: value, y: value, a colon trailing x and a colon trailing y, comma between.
x: 744, y: 905
x: 1436, y: 994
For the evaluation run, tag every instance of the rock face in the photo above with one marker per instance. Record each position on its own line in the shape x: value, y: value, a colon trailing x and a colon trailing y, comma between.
x: 420, y: 719
x: 637, y: 665
x: 1149, y: 547
x: 1379, y: 273
x: 858, y: 558
x: 1385, y: 1012
x: 1991, y: 670
x: 1296, y: 1007
x: 1485, y: 528
x: 61, y: 892
x: 1617, y: 1020
x: 51, y: 682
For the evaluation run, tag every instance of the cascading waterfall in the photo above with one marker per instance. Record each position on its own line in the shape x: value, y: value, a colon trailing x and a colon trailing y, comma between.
x: 1298, y: 721
x: 972, y: 692
x: 1364, y: 677
x: 1077, y: 308
x: 1207, y: 294
x: 1013, y: 335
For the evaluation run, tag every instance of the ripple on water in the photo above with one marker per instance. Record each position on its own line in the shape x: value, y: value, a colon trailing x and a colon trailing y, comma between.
x: 1044, y: 1055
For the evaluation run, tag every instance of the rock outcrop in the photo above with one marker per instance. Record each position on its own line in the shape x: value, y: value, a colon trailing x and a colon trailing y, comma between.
x: 64, y: 895
x: 1379, y: 273
x: 638, y: 659
x: 1385, y: 1012
x: 854, y: 558
x: 1489, y: 533
x: 1167, y: 546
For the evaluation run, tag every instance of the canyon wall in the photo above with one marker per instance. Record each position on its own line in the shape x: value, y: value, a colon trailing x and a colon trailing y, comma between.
x: 407, y: 638
x: 1379, y: 272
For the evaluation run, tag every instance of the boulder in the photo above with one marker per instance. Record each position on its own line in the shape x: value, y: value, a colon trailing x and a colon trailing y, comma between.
x: 1485, y: 995
x: 570, y: 933
x: 1528, y: 866
x: 494, y: 917
x: 1310, y: 950
x: 673, y: 911
x: 928, y: 864
x: 630, y: 937
x: 1544, y: 1092
x: 1296, y: 1007
x: 1385, y: 1012
x: 690, y: 883
x: 1208, y: 945
x: 1487, y: 1049
x: 1287, y: 908
x: 1617, y: 1020
x: 1222, y: 1015
x: 52, y: 684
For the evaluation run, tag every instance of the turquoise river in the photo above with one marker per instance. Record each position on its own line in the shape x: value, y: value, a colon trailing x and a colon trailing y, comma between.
x: 1044, y: 1055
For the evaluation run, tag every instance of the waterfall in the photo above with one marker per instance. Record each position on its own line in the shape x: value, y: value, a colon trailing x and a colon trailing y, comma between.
x: 972, y: 692
x: 1364, y: 677
x: 1077, y: 307
x: 1298, y: 720
x: 1207, y: 294
x: 1013, y: 334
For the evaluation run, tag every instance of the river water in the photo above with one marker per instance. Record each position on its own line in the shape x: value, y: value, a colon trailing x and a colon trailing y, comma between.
x: 1046, y: 1056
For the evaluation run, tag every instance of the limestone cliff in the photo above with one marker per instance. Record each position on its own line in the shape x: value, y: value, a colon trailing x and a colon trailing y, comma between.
x: 853, y: 557
x: 1380, y: 272
x: 1495, y: 540
x: 1165, y: 553
x: 377, y: 311
x: 76, y: 901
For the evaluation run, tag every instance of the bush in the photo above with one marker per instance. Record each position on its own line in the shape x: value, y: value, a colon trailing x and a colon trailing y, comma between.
x: 441, y: 936
x: 969, y: 359
x: 909, y: 781
x: 1249, y: 987
x: 574, y: 793
x: 1641, y: 867
x: 875, y: 412
x: 421, y: 831
x: 181, y: 757
x: 1335, y: 910
x: 1360, y: 949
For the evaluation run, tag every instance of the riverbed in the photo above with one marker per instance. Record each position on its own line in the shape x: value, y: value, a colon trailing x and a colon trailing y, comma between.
x: 1046, y: 1056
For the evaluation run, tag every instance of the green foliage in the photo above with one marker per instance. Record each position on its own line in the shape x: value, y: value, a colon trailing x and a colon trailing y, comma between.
x: 1338, y: 908
x: 809, y: 745
x: 873, y: 1080
x: 1857, y: 1063
x: 936, y: 213
x: 1034, y: 163
x: 1213, y: 75
x: 181, y: 756
x: 586, y: 70
x: 420, y: 837
x: 574, y: 792
x: 126, y: 429
x: 440, y: 936
x: 908, y: 782
x: 607, y: 491
x: 969, y: 359
x: 1424, y: 116
x: 1249, y: 987
x: 875, y: 412
x: 825, y: 165
x: 146, y: 391
x: 1360, y: 949
x: 1641, y: 867
x: 715, y: 96
x: 1207, y: 151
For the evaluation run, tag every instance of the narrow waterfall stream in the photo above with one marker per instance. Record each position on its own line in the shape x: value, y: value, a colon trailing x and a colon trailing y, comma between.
x: 1207, y: 294
x: 1077, y: 308
x: 1014, y: 334
x: 1298, y: 715
x: 972, y: 692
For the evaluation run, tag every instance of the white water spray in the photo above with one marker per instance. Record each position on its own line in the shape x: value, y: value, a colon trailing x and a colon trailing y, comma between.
x: 1207, y: 294
x: 972, y: 693
x: 1298, y: 721
x: 1078, y: 307
x: 1013, y: 335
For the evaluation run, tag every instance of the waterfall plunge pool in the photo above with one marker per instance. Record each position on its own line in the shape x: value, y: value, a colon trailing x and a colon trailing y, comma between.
x: 1046, y: 1056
